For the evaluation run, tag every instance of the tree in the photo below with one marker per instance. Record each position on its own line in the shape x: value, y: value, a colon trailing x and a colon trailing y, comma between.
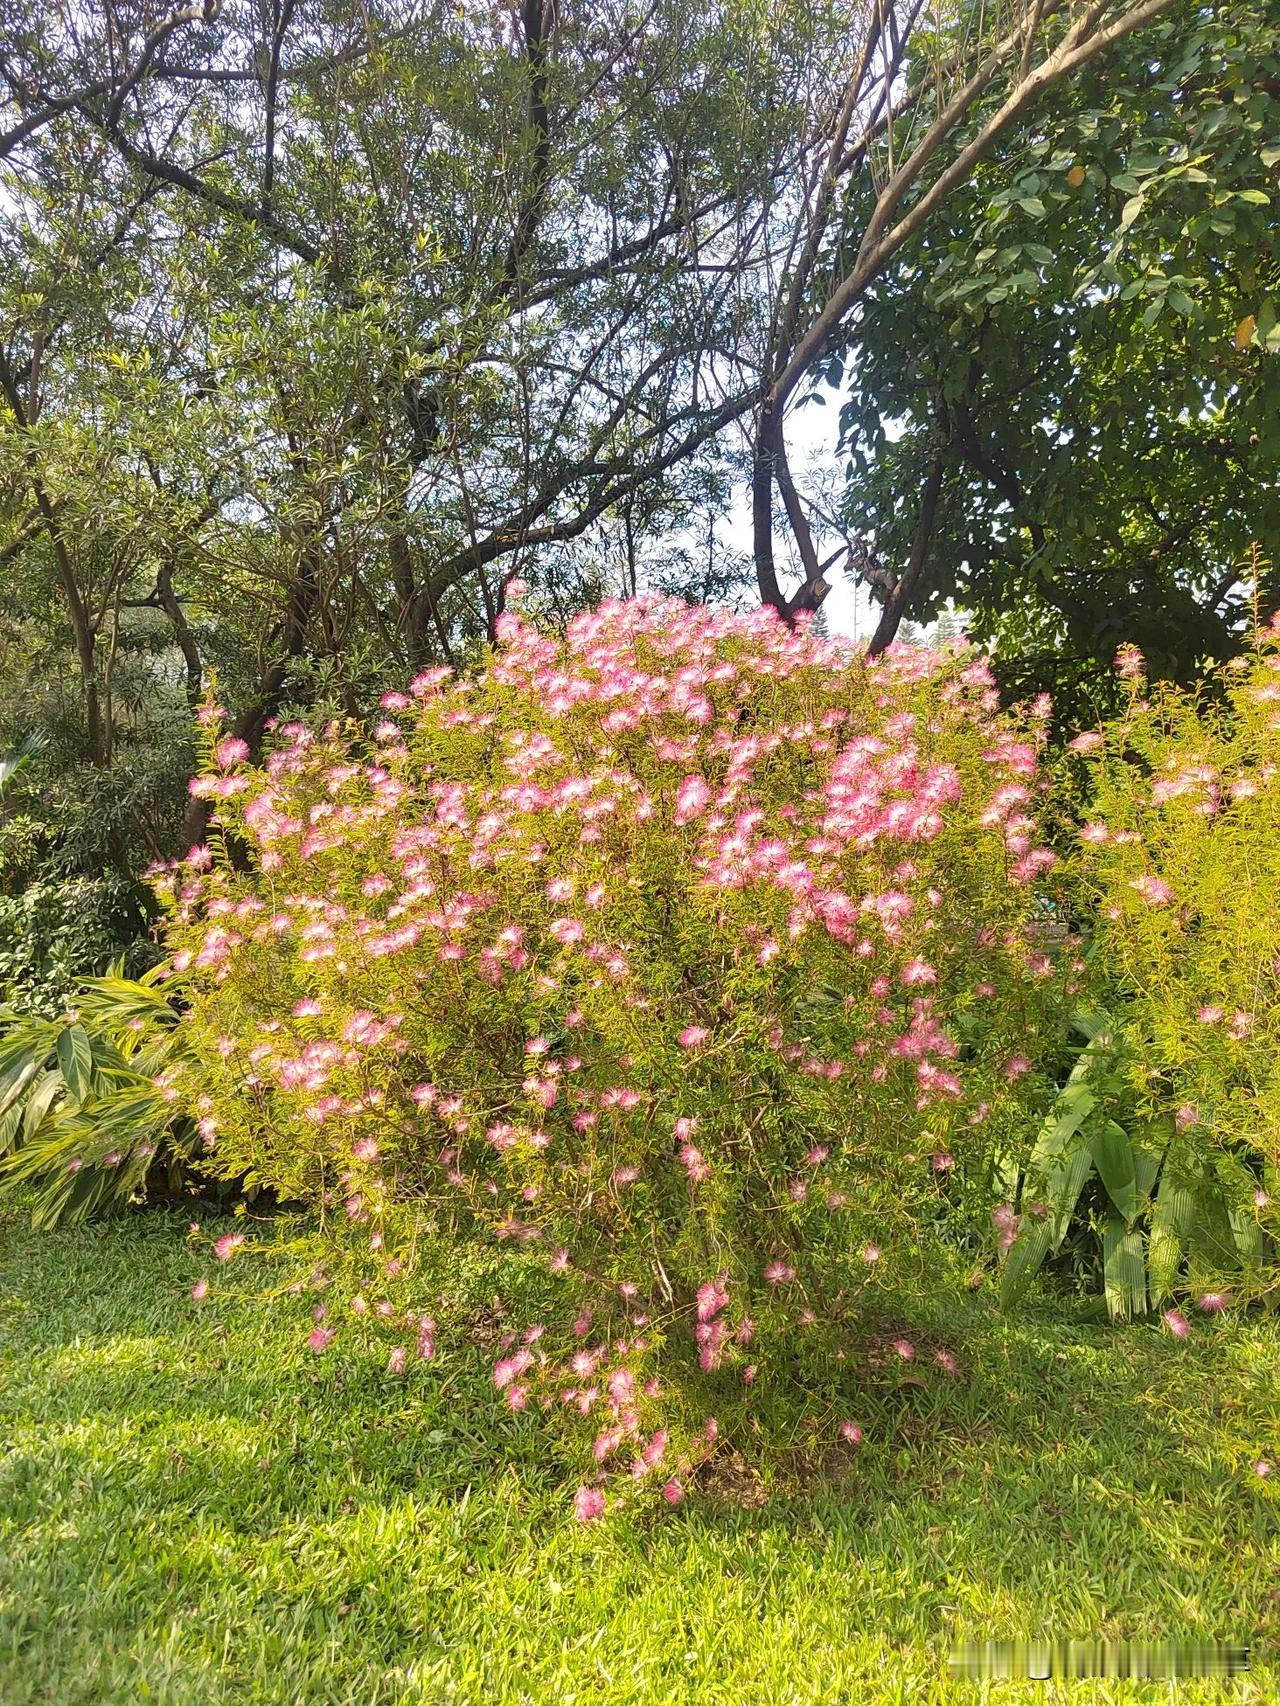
x: 319, y: 323
x: 1064, y: 411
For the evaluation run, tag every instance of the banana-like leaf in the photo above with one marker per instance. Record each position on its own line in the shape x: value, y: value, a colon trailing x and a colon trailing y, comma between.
x: 1089, y: 1022
x: 1113, y: 1157
x: 1123, y: 1270
x: 113, y: 1003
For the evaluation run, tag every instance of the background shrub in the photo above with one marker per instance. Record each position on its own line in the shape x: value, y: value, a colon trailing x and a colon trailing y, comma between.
x: 1175, y: 1103
x: 687, y: 955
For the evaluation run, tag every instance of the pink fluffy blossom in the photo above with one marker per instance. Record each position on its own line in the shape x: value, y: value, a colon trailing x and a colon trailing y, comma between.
x: 588, y: 1504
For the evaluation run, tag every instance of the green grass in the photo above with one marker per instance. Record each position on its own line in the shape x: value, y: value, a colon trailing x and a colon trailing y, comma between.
x: 192, y: 1510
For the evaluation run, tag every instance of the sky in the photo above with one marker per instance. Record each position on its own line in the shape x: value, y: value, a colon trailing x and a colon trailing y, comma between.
x: 812, y: 435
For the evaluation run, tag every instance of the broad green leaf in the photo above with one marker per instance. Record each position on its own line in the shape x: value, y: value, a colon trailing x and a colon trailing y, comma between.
x: 1171, y: 1222
x: 75, y: 1057
x: 1212, y: 1234
x: 1024, y: 1259
x: 1113, y: 1156
x: 1123, y: 1270
x: 39, y: 1103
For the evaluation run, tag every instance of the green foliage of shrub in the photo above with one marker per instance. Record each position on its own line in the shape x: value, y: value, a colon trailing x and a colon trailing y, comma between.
x: 84, y: 1125
x: 687, y: 955
x: 53, y: 928
x: 1175, y: 1103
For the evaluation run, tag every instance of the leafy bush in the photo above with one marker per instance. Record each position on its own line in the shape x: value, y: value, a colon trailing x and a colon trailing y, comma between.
x: 1176, y: 1099
x: 686, y: 955
x: 56, y: 929
x: 84, y: 1127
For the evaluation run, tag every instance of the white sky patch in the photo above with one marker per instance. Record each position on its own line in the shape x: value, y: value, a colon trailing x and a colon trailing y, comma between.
x: 819, y: 473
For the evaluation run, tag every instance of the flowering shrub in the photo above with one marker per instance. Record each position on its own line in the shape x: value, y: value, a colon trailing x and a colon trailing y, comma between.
x: 1181, y: 859
x: 684, y: 955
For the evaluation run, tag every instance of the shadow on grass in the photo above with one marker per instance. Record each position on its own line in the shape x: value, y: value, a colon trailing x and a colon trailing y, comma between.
x: 188, y: 1502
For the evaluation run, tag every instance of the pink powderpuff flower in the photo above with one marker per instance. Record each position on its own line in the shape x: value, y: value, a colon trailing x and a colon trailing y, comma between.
x: 695, y: 1161
x: 398, y: 1361
x: 588, y: 1504
x: 779, y: 1273
x: 1213, y: 1302
x: 200, y: 1290
x: 559, y: 1261
x: 1177, y: 1323
x: 1090, y: 741
x: 691, y: 799
x: 946, y: 1362
x: 1130, y: 663
x: 1154, y: 890
x: 656, y: 1448
x: 231, y: 751
x: 226, y: 1246
x: 673, y: 1492
x: 943, y: 1163
x: 870, y: 1253
x: 918, y: 971
x: 1262, y: 1468
x: 852, y: 1432
x: 506, y: 1369
x: 320, y: 1338
x: 365, y: 1149
x: 693, y: 1036
x: 905, y: 1349
x: 1210, y: 1015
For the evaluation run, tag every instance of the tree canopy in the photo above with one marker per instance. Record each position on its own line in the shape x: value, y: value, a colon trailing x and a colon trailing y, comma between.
x: 1063, y: 399
x: 320, y: 323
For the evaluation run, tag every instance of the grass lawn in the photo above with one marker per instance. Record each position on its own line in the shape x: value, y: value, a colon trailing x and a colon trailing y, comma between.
x: 192, y: 1509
